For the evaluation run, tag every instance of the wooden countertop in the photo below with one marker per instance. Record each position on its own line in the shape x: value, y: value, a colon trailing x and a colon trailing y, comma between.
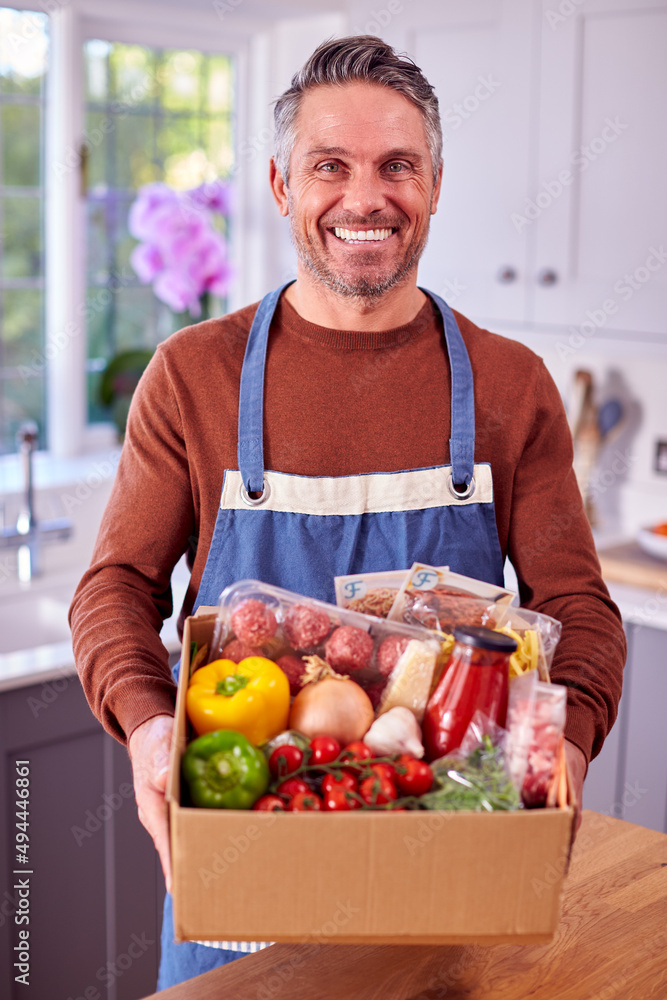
x: 611, y: 944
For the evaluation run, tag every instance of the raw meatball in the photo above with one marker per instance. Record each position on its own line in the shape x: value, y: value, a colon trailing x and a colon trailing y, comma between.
x: 254, y: 623
x: 294, y: 667
x: 348, y: 648
x: 237, y: 651
x: 389, y: 652
x: 305, y: 627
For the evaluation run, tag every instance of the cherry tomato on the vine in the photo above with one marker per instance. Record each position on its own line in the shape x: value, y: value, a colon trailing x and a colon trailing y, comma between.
x: 323, y: 749
x: 284, y: 760
x: 377, y: 791
x: 384, y: 771
x: 413, y: 777
x: 293, y: 786
x: 305, y: 802
x: 356, y: 753
x: 346, y: 783
x: 269, y: 803
x: 339, y: 799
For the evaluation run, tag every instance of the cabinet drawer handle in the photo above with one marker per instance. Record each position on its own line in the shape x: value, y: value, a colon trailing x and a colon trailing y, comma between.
x: 507, y: 274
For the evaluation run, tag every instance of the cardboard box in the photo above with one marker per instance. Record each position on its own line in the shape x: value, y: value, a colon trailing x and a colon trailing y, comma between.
x: 360, y: 878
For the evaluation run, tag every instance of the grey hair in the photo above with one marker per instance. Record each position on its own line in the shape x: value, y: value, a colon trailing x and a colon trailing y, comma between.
x: 343, y: 60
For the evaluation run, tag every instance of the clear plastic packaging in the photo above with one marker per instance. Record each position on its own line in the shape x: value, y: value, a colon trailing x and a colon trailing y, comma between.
x: 427, y: 599
x: 475, y: 777
x: 435, y: 591
x: 257, y: 618
x: 536, y: 722
x: 371, y: 593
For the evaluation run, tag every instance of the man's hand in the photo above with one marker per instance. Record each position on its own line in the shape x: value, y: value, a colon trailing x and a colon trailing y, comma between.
x: 149, y: 752
x: 576, y: 765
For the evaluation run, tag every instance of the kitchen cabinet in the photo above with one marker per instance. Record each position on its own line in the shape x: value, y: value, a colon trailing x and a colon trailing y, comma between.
x: 553, y: 211
x: 629, y: 778
x: 96, y: 888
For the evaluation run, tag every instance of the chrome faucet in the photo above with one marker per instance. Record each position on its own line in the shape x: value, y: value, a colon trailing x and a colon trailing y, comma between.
x: 29, y: 534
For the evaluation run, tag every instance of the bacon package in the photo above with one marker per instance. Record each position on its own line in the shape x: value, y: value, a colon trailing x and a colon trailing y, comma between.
x: 536, y: 723
x: 394, y: 662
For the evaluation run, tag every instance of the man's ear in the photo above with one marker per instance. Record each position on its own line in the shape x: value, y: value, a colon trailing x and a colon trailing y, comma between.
x: 436, y: 191
x: 278, y: 187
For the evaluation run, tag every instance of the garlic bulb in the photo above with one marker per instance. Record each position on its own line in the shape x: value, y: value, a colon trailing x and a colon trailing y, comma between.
x: 396, y: 731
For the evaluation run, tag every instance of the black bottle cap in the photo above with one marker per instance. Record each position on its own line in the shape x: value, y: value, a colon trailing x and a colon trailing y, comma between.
x: 485, y: 638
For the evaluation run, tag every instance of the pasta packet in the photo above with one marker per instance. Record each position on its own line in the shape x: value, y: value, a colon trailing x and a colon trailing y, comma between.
x: 371, y: 593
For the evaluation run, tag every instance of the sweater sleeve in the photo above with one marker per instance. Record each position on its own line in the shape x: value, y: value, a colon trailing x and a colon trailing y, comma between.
x: 125, y: 595
x: 551, y: 547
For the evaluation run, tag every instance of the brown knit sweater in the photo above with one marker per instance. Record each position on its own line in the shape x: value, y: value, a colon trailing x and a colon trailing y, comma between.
x: 182, y: 435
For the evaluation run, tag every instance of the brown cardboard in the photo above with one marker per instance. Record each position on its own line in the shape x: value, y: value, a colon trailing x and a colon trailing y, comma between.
x: 361, y: 878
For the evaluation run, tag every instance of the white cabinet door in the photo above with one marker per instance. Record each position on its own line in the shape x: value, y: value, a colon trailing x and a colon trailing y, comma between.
x: 599, y: 200
x: 645, y: 767
x: 478, y: 58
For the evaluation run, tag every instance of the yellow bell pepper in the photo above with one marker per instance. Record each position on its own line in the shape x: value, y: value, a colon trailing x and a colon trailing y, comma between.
x: 251, y: 697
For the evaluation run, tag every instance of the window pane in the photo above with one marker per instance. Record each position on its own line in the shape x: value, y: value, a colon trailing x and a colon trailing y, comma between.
x: 21, y: 398
x: 175, y: 128
x: 21, y: 133
x: 220, y: 147
x: 180, y: 74
x: 23, y: 64
x: 22, y: 327
x: 133, y: 161
x: 97, y: 70
x: 23, y: 238
x: 23, y: 51
x: 219, y: 89
x: 133, y: 77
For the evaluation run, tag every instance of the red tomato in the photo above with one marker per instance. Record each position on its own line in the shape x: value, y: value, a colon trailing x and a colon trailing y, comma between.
x: 413, y: 777
x: 323, y: 750
x: 293, y: 786
x: 346, y: 783
x: 305, y: 802
x: 339, y: 800
x: 377, y: 791
x: 269, y: 803
x: 387, y: 771
x: 284, y: 760
x: 356, y: 753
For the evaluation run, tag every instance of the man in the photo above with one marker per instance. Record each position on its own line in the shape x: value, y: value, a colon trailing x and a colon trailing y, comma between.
x: 375, y: 428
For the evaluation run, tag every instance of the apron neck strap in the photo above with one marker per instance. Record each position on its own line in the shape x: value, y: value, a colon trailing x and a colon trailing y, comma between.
x: 251, y: 396
x: 462, y: 441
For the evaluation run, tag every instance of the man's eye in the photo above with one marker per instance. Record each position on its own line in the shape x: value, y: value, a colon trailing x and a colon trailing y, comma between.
x: 329, y: 168
x: 395, y: 168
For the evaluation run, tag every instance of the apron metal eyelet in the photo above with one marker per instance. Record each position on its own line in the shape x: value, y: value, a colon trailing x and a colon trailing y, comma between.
x: 255, y: 501
x: 466, y: 494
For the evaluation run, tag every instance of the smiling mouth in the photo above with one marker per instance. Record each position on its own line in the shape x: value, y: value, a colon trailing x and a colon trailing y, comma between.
x: 362, y: 235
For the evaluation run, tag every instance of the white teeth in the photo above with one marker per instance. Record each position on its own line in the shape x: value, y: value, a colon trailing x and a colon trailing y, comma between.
x: 362, y: 234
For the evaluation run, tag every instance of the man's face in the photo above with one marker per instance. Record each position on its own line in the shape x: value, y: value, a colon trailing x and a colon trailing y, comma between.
x: 361, y: 189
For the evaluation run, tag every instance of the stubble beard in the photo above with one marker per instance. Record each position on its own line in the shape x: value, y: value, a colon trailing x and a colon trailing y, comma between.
x: 362, y: 289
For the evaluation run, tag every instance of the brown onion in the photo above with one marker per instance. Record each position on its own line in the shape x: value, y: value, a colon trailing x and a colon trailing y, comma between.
x: 332, y: 706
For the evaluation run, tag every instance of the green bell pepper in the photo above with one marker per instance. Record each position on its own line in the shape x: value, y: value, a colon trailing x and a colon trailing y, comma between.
x: 225, y: 771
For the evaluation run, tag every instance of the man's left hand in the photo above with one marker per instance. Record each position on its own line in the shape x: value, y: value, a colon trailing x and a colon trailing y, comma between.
x: 576, y: 765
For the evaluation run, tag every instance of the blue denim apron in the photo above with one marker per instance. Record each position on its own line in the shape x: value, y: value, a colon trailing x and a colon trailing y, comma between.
x: 299, y: 532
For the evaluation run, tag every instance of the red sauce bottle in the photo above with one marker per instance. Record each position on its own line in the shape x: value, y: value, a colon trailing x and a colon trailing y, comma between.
x: 476, y: 678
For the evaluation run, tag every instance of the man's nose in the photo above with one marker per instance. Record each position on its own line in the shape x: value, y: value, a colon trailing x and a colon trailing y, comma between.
x: 364, y: 193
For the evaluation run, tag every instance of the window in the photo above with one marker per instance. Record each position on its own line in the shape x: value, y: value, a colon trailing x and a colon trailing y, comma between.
x: 23, y: 62
x: 152, y: 114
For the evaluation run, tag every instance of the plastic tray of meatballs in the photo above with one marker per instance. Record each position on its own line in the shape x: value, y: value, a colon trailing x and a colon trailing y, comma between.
x: 257, y: 618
